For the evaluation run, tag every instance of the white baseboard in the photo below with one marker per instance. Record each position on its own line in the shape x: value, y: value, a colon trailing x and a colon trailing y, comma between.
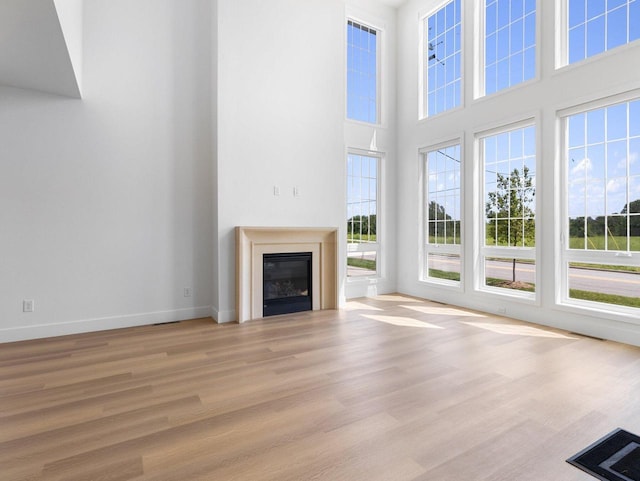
x: 224, y: 316
x: 23, y: 333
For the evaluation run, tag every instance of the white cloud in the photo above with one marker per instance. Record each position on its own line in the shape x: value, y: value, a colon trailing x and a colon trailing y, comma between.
x: 595, y: 188
x: 583, y: 166
x: 616, y: 185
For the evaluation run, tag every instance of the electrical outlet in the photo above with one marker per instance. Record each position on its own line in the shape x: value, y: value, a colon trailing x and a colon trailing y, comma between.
x: 276, y: 190
x: 188, y: 292
x: 296, y: 192
x: 28, y: 305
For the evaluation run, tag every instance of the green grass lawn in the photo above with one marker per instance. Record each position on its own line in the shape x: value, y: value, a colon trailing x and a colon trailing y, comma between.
x: 616, y: 243
x: 450, y: 276
x: 606, y: 298
x: 449, y: 240
x: 364, y: 263
x: 605, y: 267
x: 361, y: 238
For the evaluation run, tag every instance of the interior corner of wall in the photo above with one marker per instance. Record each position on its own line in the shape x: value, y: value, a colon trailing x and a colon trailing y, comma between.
x: 70, y: 16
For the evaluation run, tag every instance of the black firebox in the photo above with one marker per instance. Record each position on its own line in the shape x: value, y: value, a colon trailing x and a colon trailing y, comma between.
x: 286, y: 283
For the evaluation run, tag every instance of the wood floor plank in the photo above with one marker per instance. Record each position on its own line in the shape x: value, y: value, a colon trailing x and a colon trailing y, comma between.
x: 389, y: 388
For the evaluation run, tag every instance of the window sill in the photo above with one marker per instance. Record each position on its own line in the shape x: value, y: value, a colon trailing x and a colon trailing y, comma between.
x: 372, y: 279
x: 505, y: 91
x: 361, y: 123
x: 442, y: 114
x: 561, y: 69
x: 443, y: 283
x: 524, y: 297
x: 613, y: 313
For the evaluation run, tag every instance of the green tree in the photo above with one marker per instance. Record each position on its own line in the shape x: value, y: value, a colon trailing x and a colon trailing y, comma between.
x: 633, y: 208
x: 362, y: 224
x: 437, y: 212
x: 442, y: 227
x: 613, y: 225
x: 510, y: 217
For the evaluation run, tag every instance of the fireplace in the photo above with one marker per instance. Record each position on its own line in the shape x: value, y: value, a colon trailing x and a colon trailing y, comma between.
x: 252, y: 243
x: 286, y: 280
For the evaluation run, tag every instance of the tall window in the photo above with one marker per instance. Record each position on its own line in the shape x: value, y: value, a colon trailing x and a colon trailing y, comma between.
x: 362, y: 73
x: 510, y: 43
x: 603, y: 205
x: 509, y: 159
x: 442, y: 50
x: 597, y: 26
x: 442, y: 213
x: 362, y: 215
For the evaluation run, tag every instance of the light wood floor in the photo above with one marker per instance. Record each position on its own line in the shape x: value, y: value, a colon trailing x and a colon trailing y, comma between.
x: 390, y: 389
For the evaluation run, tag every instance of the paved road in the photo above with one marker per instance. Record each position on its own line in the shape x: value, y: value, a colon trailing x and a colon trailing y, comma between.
x: 607, y: 282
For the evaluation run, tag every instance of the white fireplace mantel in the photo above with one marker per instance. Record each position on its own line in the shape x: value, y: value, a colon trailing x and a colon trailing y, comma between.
x: 253, y: 242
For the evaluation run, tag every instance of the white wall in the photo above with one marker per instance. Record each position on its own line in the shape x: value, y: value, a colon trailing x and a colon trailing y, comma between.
x: 554, y: 90
x: 280, y: 122
x: 105, y: 203
x: 71, y: 22
x: 215, y: 249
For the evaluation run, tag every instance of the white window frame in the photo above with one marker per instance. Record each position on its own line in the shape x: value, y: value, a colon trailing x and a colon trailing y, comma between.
x: 484, y: 251
x: 480, y: 48
x: 566, y: 255
x: 562, y: 39
x: 423, y: 95
x: 379, y: 44
x: 367, y: 246
x: 428, y: 248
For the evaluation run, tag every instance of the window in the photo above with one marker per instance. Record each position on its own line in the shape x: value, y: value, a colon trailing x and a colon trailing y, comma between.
x: 442, y: 213
x: 602, y: 227
x: 362, y: 73
x: 442, y: 51
x: 510, y: 43
x: 508, y: 252
x: 362, y: 215
x: 597, y: 26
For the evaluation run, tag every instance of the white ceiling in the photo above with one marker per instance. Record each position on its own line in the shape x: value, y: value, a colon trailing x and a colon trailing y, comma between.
x: 33, y: 50
x: 393, y: 3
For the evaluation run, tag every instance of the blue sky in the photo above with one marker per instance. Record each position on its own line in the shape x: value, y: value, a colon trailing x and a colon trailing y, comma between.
x: 443, y: 50
x: 443, y: 179
x: 598, y: 25
x: 510, y: 43
x: 362, y: 79
x: 603, y: 159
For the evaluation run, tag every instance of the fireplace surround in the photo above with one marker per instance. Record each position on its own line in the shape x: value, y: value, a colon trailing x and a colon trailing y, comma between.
x: 253, y: 242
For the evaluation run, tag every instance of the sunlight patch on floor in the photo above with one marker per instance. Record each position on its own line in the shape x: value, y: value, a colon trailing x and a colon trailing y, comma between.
x: 394, y: 298
x: 359, y: 306
x: 443, y: 311
x: 402, y: 321
x: 517, y: 330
